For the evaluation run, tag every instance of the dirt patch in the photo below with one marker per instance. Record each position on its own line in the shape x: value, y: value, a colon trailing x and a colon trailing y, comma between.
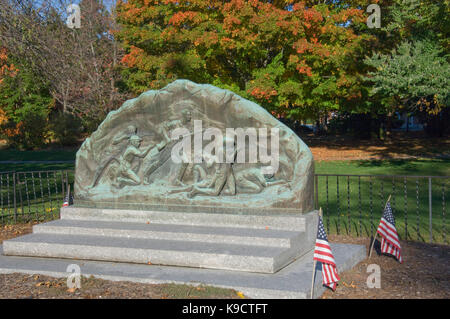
x: 12, y: 231
x: 19, y: 286
x: 424, y: 273
x: 398, y: 146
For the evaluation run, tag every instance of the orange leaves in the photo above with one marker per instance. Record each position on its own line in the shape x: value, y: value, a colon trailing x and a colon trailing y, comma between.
x: 170, y: 1
x: 129, y: 12
x: 182, y: 17
x: 278, y: 114
x: 301, y: 46
x: 131, y: 58
x: 312, y: 15
x: 208, y: 39
x: 254, y: 3
x: 5, y: 68
x: 11, y: 132
x: 234, y: 5
x: 304, y: 69
x: 356, y: 15
x: 3, y: 117
x: 3, y: 55
x: 263, y: 93
x: 298, y: 7
x: 230, y: 21
x: 235, y: 42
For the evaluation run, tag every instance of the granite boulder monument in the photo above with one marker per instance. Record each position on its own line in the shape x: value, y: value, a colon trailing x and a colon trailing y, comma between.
x: 190, y: 175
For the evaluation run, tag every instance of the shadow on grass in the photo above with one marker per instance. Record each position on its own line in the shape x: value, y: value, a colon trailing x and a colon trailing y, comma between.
x: 435, y: 167
x: 41, y: 155
x: 36, y: 167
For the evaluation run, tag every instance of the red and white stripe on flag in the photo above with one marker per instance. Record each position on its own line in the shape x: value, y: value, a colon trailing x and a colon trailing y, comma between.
x: 329, y: 275
x: 390, y: 243
x: 387, y: 248
x: 322, y: 253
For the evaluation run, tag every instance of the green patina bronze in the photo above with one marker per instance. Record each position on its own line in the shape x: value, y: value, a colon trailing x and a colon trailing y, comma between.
x: 128, y: 162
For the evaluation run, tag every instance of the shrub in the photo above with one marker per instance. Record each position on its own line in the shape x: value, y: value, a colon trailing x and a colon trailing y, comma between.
x: 29, y: 133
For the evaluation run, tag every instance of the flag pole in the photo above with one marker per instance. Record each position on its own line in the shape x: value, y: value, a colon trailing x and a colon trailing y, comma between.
x: 376, y: 234
x: 314, y: 265
x: 313, y: 277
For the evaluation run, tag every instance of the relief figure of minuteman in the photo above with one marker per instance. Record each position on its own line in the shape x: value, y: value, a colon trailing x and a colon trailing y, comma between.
x: 117, y: 148
x: 125, y: 175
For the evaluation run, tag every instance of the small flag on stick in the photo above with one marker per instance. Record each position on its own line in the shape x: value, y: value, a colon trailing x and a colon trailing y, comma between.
x: 68, y: 199
x: 390, y: 243
x: 323, y: 254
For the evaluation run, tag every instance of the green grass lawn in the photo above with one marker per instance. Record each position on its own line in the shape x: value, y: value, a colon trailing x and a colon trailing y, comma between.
x: 44, y: 155
x: 36, y: 167
x: 431, y: 167
x: 363, y: 199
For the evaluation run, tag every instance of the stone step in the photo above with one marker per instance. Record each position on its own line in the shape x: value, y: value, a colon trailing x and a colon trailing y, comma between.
x: 238, y: 257
x: 207, y: 234
x: 252, y: 243
x: 293, y: 281
x: 292, y: 222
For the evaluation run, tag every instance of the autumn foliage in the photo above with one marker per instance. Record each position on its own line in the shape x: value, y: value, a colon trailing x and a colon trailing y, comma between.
x: 296, y: 61
x: 6, y: 69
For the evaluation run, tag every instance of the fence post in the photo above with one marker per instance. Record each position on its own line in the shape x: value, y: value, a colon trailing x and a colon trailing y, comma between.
x: 430, y: 204
x: 14, y: 197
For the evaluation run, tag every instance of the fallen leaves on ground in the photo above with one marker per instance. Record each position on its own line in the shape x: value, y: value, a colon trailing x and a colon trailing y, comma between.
x: 423, y: 274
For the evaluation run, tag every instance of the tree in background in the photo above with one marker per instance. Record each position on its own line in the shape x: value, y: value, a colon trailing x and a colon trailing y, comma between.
x: 78, y: 65
x: 296, y: 60
x: 299, y: 59
x: 414, y: 76
x: 6, y: 69
x: 25, y: 104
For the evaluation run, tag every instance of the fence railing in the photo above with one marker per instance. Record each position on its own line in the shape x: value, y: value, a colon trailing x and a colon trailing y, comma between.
x: 352, y: 204
x: 32, y: 195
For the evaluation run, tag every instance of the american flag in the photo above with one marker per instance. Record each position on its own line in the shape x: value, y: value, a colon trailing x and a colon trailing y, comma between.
x: 322, y: 253
x: 68, y: 200
x: 390, y: 243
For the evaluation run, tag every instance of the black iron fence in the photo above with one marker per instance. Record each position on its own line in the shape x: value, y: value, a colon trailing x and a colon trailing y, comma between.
x: 352, y: 204
x: 33, y: 195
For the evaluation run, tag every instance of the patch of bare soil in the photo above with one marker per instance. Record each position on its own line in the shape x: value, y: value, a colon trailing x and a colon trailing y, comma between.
x: 12, y: 231
x: 20, y: 286
x: 424, y: 273
x: 398, y: 146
